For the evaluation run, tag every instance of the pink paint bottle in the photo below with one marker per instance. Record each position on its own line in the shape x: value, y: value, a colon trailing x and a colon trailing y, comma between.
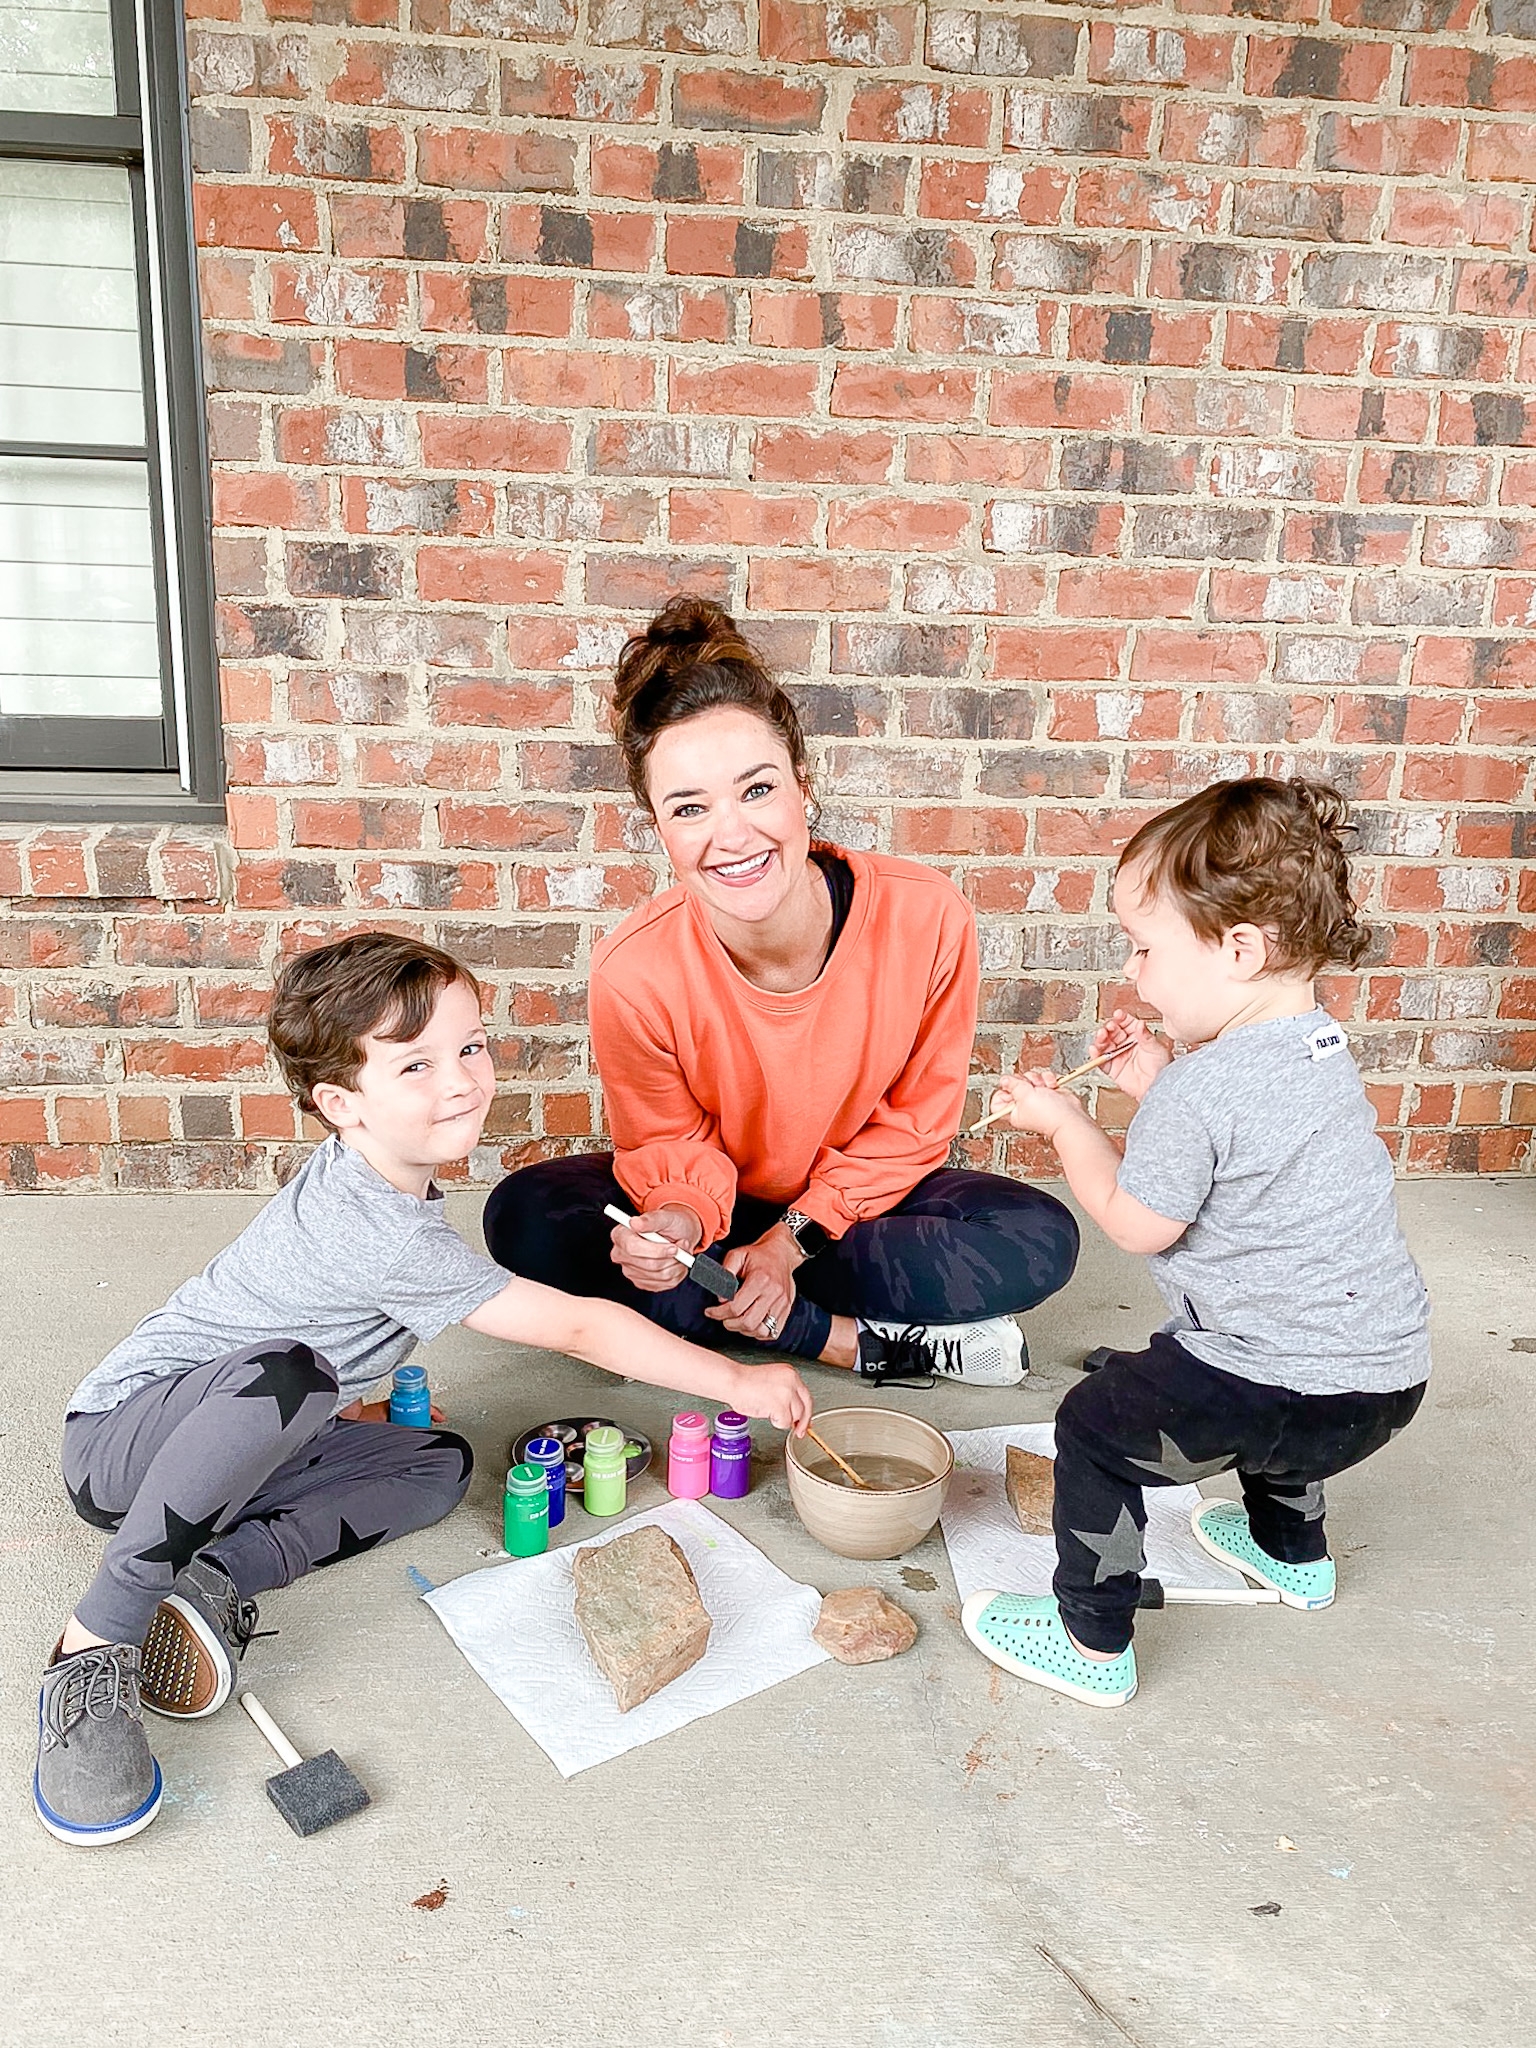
x: 688, y: 1457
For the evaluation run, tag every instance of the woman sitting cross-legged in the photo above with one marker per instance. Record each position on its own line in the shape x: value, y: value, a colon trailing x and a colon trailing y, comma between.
x: 784, y: 1039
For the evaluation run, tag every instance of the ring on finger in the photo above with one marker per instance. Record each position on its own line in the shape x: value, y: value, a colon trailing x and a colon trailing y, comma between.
x: 770, y: 1327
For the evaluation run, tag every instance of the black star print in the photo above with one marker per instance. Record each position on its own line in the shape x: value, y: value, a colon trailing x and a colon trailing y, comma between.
x: 90, y: 1510
x: 183, y: 1539
x: 350, y: 1544
x: 450, y: 1442
x: 288, y: 1377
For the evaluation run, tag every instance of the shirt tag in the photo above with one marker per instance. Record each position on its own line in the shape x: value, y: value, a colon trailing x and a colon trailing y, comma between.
x: 1325, y: 1039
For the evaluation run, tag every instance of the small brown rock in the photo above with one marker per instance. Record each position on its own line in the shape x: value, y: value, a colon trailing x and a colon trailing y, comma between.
x: 858, y: 1625
x: 638, y: 1605
x: 1031, y: 1484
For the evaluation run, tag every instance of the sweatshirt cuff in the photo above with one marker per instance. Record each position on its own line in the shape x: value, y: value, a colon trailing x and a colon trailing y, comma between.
x: 715, y: 1220
x: 823, y: 1205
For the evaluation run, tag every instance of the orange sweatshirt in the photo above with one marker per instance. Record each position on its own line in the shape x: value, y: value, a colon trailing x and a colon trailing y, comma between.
x: 837, y: 1099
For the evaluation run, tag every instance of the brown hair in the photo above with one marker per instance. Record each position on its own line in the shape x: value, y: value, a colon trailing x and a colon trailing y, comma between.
x: 1260, y: 852
x: 692, y: 658
x: 328, y: 1001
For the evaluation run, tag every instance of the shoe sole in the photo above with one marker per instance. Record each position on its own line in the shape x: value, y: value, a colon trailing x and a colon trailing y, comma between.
x: 180, y: 1646
x: 98, y: 1838
x: 971, y: 1613
x: 1251, y: 1571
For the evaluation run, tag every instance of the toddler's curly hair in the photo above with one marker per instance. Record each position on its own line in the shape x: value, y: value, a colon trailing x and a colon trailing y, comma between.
x: 1264, y: 852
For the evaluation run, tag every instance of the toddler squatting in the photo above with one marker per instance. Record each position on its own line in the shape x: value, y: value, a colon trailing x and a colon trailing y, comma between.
x: 1255, y: 1184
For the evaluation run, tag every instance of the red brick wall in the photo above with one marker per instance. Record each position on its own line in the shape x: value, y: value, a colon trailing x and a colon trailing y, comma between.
x: 1079, y: 408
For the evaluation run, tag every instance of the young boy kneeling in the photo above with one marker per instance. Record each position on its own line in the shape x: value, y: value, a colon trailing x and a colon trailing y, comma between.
x: 225, y: 1441
x: 1255, y: 1182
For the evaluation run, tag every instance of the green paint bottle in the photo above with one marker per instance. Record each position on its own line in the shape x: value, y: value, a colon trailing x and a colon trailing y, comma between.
x: 605, y: 1479
x: 525, y: 1512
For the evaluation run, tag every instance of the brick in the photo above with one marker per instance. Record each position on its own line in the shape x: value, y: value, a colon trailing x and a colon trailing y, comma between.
x: 1014, y: 526
x: 393, y: 369
x: 421, y: 76
x: 483, y: 160
x: 860, y: 392
x: 481, y: 575
x: 906, y: 525
x: 1123, y: 196
x: 696, y: 27
x: 747, y: 102
x: 1045, y: 654
x: 669, y: 171
x: 885, y: 112
x: 922, y: 256
x: 1001, y: 190
x: 808, y: 583
x: 874, y: 37
x: 553, y: 91
x: 1001, y: 45
x: 977, y: 459
x: 782, y: 390
x: 1132, y: 335
x: 1050, y: 399
x: 1075, y: 124
x: 1234, y: 135
x: 1053, y: 263
x: 494, y: 444
x: 254, y: 217
x: 1267, y: 341
x: 310, y: 147
x: 1500, y: 150
x: 799, y: 455
x: 1317, y: 68
x: 425, y: 230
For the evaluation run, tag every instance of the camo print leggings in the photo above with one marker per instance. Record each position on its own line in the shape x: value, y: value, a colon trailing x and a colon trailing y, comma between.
x: 960, y: 1246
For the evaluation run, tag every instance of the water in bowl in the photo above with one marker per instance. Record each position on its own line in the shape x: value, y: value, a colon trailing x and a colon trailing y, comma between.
x: 884, y: 1473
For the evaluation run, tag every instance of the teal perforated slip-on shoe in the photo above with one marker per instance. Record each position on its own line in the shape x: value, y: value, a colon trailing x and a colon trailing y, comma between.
x: 1221, y: 1527
x: 1026, y: 1635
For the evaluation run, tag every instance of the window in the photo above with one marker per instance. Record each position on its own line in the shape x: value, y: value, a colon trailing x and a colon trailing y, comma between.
x: 108, y: 693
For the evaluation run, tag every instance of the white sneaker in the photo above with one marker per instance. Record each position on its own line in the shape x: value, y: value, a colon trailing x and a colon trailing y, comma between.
x: 985, y: 1354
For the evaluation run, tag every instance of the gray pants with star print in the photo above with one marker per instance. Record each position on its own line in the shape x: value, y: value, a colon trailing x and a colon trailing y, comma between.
x: 244, y: 1460
x: 1162, y: 1417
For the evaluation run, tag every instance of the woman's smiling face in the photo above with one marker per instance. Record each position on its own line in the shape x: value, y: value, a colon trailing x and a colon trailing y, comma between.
x: 730, y: 813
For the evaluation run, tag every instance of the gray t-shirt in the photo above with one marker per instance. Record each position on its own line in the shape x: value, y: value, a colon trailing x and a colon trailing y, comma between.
x: 1293, y: 1270
x: 339, y: 1258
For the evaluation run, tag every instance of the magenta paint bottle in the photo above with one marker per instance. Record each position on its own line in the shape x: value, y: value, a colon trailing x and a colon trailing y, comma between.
x: 730, y: 1456
x: 688, y: 1457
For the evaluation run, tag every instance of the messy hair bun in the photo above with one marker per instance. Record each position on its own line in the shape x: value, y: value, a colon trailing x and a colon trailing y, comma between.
x: 1264, y: 852
x: 692, y: 658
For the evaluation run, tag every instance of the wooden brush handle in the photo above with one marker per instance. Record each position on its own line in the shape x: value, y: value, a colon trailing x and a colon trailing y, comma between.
x: 857, y: 1477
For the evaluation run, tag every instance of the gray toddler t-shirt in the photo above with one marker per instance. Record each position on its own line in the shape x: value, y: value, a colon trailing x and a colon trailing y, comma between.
x: 339, y: 1258
x: 1293, y: 1271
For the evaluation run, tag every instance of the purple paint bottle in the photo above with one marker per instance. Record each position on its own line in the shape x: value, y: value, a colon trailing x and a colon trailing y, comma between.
x: 730, y: 1456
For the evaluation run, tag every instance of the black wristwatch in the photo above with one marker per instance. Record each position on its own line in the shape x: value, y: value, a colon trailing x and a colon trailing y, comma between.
x: 809, y: 1236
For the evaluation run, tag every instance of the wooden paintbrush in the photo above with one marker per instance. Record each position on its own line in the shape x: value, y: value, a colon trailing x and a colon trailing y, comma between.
x: 1076, y: 1074
x: 857, y: 1477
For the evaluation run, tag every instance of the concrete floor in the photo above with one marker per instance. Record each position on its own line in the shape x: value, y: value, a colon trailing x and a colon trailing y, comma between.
x: 922, y: 1854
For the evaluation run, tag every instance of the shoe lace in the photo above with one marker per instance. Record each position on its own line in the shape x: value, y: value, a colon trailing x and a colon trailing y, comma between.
x: 97, y: 1683
x: 917, y: 1352
x: 238, y: 1620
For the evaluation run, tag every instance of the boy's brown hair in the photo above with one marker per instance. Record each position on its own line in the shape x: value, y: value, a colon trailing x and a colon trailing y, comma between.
x: 1262, y: 852
x: 328, y: 1001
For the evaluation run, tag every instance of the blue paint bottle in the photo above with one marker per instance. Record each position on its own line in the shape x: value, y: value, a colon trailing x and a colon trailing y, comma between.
x: 549, y: 1452
x: 410, y: 1400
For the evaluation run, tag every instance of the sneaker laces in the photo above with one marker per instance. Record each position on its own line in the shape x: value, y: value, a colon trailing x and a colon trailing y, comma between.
x: 913, y: 1354
x: 237, y: 1620
x: 97, y: 1683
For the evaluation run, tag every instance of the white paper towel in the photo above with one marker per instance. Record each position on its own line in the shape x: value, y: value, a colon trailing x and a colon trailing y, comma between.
x: 516, y: 1624
x: 987, y: 1548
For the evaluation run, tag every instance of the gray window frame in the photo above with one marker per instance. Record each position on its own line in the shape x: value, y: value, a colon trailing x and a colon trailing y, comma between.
x: 107, y: 770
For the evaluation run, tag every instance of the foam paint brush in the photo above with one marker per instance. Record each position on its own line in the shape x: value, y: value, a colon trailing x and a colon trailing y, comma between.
x: 709, y: 1273
x: 313, y: 1792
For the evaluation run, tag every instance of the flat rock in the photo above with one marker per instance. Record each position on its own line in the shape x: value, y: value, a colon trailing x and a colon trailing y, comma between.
x: 1031, y: 1484
x: 858, y: 1625
x: 638, y: 1605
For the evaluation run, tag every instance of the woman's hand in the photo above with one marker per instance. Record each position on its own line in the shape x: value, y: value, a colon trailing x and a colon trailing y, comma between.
x: 760, y: 1308
x: 651, y: 1267
x: 776, y: 1393
x: 1145, y: 1058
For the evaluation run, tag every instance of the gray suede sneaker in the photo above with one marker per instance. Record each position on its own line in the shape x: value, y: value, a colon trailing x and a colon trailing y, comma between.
x: 195, y: 1641
x: 95, y: 1780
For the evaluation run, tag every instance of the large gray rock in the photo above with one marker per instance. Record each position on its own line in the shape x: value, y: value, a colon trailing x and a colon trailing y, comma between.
x: 638, y: 1605
x: 858, y: 1625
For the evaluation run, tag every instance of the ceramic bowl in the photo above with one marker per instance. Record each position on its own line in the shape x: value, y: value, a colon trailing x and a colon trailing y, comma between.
x: 882, y: 1523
